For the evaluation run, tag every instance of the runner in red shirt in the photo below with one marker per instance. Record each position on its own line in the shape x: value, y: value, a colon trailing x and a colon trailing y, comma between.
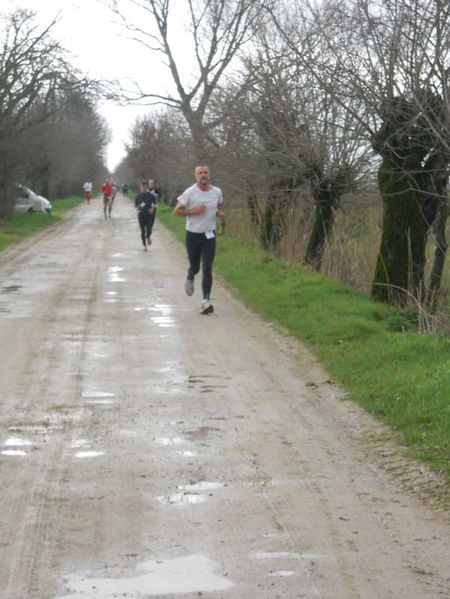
x: 107, y: 191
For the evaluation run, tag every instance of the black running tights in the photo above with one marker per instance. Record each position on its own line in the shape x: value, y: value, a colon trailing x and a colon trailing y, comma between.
x: 199, y: 248
x: 145, y: 222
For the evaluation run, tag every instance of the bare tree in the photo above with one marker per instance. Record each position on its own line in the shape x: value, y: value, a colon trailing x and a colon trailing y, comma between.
x: 33, y: 71
x: 68, y: 146
x: 393, y: 57
x: 218, y: 31
x: 159, y: 147
x: 307, y: 145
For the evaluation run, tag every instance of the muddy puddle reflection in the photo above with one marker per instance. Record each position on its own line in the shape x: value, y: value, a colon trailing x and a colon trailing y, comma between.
x: 201, y: 486
x: 17, y: 442
x: 114, y: 274
x: 89, y: 454
x: 190, y: 574
x: 14, y: 452
x: 161, y: 314
x: 182, y: 499
x: 15, y: 445
x: 187, y: 454
x: 168, y: 441
x: 283, y: 555
x: 191, y: 494
x: 98, y: 398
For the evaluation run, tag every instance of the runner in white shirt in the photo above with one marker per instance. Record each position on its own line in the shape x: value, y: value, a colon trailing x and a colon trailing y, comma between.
x: 88, y: 190
x: 201, y: 204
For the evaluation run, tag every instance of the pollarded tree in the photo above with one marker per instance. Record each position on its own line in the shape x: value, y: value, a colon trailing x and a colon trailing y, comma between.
x: 305, y: 141
x: 393, y: 56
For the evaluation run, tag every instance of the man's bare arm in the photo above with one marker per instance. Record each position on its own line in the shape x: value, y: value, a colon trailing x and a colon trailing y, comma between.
x: 181, y: 210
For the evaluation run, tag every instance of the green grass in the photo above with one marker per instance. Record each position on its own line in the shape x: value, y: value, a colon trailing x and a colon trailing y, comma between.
x: 21, y: 226
x: 370, y: 349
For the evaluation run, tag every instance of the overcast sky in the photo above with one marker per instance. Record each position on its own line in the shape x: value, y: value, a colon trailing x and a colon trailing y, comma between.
x: 101, y: 49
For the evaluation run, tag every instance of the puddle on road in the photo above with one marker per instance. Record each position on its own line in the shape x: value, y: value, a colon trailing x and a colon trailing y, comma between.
x: 98, y: 398
x: 89, y: 454
x: 187, y: 454
x: 201, y: 486
x: 182, y: 499
x: 263, y: 555
x: 190, y: 494
x: 113, y: 274
x: 14, y: 452
x: 190, y: 574
x: 97, y: 394
x: 79, y: 443
x: 163, y: 321
x: 100, y: 402
x: 164, y: 318
x: 169, y: 441
x: 17, y: 442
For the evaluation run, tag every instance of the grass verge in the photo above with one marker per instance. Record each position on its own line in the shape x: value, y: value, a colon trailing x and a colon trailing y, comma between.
x: 396, y: 374
x: 21, y: 226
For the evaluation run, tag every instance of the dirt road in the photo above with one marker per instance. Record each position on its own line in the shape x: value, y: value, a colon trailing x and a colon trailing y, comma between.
x: 149, y: 451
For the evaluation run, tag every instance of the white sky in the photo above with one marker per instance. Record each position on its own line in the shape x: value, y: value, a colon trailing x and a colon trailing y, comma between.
x: 100, y: 49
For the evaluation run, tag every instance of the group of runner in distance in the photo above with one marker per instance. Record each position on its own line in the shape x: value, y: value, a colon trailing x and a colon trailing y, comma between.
x: 200, y: 204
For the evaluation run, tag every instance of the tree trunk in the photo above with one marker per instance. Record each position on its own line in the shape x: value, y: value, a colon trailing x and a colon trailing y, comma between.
x: 321, y: 230
x: 7, y: 188
x: 255, y: 215
x: 399, y: 271
x: 439, y: 255
x: 327, y: 192
x: 272, y: 224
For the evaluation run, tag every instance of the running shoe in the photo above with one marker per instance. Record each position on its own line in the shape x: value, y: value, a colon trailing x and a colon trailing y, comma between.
x: 206, y: 307
x: 189, y: 286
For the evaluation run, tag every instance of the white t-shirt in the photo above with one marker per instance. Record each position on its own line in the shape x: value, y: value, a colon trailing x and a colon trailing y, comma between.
x: 211, y: 199
x: 87, y: 186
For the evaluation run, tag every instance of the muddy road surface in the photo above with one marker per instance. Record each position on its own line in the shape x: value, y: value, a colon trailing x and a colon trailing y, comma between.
x: 149, y: 451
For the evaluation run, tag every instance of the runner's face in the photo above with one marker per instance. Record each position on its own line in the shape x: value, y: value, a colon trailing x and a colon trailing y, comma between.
x: 202, y: 175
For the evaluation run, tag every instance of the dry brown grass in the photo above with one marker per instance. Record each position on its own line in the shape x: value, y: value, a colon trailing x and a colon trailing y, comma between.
x: 353, y: 248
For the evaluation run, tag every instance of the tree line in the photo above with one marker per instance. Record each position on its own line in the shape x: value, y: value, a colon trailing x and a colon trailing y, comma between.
x: 305, y: 99
x: 51, y: 134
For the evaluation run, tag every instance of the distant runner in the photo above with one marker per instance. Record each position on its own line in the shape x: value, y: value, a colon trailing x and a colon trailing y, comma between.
x: 107, y: 191
x: 145, y: 204
x: 88, y: 191
x: 201, y: 203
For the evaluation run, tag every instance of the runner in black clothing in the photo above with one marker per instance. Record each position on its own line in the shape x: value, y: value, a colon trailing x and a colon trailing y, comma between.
x: 145, y: 206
